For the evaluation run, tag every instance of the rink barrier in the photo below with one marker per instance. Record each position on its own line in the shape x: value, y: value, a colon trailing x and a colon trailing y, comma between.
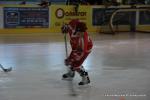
x: 138, y: 27
x: 59, y: 14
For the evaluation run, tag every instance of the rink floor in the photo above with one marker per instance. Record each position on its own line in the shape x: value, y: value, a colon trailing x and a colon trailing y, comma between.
x: 119, y: 68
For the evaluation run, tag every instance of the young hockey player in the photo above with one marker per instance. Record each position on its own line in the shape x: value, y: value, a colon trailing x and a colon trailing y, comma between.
x: 81, y: 45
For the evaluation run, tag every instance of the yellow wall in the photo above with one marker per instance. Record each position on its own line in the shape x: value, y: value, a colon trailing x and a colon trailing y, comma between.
x: 60, y: 14
x: 143, y: 28
x: 63, y: 14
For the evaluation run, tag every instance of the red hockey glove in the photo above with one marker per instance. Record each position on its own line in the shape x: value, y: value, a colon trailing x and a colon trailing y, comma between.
x: 67, y: 62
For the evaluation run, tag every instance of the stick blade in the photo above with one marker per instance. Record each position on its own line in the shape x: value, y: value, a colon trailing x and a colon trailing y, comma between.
x: 8, y: 69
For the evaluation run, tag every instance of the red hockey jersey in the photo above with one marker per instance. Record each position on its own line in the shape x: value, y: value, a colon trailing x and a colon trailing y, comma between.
x: 80, y: 45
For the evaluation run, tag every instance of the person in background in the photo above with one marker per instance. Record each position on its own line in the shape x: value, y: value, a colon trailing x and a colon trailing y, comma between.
x: 23, y: 2
x: 44, y: 3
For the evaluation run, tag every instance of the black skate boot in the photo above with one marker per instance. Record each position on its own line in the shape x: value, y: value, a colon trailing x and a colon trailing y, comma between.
x: 69, y: 76
x: 85, y: 78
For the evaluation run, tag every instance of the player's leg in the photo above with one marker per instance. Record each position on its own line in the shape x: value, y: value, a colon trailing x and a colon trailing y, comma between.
x: 80, y: 69
x: 70, y: 74
x: 84, y: 75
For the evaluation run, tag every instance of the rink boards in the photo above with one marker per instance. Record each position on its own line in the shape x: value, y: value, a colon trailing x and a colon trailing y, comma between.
x: 35, y: 19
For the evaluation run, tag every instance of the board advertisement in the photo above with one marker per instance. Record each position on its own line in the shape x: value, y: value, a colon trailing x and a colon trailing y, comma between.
x: 26, y: 17
x: 1, y: 18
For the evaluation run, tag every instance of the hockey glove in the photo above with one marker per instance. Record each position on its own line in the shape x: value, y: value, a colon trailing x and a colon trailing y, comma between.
x: 64, y: 28
x: 67, y: 62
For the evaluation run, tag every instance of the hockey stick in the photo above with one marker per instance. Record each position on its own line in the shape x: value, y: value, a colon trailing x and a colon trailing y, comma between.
x: 65, y: 38
x: 70, y: 83
x: 6, y: 69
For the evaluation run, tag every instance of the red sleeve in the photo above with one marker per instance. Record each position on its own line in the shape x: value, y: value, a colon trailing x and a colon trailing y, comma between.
x: 85, y: 42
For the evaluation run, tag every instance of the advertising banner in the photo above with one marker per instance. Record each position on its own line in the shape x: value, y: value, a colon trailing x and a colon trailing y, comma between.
x: 62, y: 14
x: 26, y: 17
x: 101, y: 16
x: 144, y: 18
x: 1, y: 17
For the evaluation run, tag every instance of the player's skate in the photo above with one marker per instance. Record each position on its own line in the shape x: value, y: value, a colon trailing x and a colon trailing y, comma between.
x: 85, y: 78
x: 68, y: 76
